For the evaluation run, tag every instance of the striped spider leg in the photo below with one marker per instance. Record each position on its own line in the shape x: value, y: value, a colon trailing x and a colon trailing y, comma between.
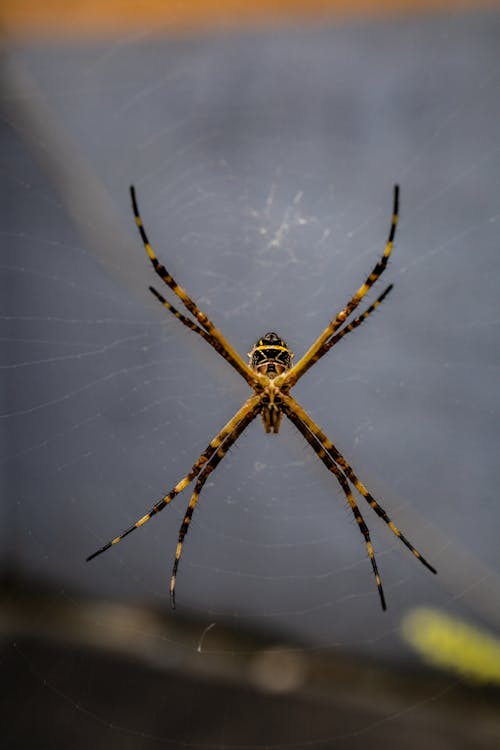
x: 320, y: 346
x: 208, y: 331
x: 337, y: 464
x: 355, y: 323
x: 244, y: 415
x: 208, y: 468
x: 330, y: 464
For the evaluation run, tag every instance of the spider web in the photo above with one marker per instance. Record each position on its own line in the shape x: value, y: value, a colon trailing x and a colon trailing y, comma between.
x: 264, y: 165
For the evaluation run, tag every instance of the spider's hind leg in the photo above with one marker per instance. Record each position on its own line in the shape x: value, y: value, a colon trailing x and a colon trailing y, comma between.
x: 249, y: 409
x: 339, y: 459
x: 212, y: 464
x: 319, y: 449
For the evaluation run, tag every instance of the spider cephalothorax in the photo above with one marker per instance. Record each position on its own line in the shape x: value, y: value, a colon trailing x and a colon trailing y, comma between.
x: 271, y: 376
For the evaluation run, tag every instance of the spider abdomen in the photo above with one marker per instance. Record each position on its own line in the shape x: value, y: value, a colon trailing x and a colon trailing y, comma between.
x: 270, y: 355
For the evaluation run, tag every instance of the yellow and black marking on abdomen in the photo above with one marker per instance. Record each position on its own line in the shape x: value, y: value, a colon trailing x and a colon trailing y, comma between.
x: 270, y: 355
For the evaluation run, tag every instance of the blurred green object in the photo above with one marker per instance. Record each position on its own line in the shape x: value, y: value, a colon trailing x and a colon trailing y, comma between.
x: 453, y: 644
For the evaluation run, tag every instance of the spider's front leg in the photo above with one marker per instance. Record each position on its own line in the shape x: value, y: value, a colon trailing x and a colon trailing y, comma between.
x: 206, y: 329
x: 321, y: 345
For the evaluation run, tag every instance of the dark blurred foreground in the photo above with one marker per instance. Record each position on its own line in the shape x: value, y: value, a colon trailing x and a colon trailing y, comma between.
x: 83, y: 674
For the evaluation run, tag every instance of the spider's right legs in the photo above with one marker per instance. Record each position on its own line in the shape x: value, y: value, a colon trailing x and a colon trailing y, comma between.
x: 351, y: 327
x: 339, y: 459
x: 319, y: 449
x: 316, y: 350
x: 247, y: 408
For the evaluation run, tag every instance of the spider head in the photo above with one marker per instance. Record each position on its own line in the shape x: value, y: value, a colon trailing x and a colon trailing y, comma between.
x: 270, y: 355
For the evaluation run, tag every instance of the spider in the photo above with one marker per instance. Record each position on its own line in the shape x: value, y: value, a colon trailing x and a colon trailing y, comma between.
x: 271, y: 374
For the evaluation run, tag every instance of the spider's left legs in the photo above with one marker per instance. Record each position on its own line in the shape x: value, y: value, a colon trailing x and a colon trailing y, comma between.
x: 186, y: 321
x: 331, y: 466
x: 212, y: 464
x: 329, y: 447
x: 193, y: 327
x: 248, y: 408
x: 161, y: 270
x: 230, y: 354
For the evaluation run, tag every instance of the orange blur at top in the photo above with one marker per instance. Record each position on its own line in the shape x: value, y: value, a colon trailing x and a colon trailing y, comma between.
x: 79, y: 18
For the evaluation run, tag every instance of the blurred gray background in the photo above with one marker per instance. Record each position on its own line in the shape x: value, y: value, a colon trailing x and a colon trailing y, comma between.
x: 264, y: 164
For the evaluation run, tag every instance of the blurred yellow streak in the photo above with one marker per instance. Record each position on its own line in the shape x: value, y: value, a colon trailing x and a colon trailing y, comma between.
x: 75, y: 18
x: 454, y: 645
